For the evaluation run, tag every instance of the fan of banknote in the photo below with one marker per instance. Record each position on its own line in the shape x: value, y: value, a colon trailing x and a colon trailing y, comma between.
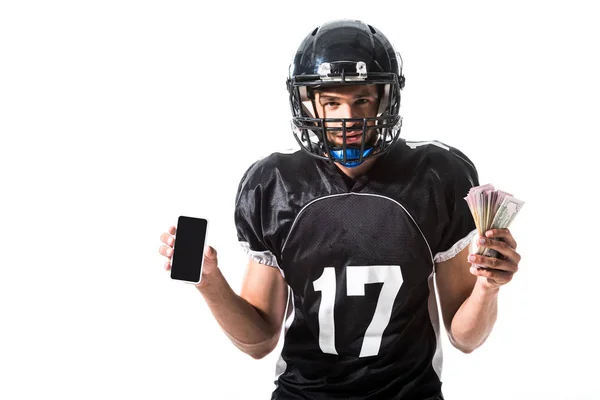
x: 491, y: 209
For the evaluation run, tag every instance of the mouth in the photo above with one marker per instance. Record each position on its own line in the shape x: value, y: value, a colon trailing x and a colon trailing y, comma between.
x: 352, y: 136
x: 350, y: 132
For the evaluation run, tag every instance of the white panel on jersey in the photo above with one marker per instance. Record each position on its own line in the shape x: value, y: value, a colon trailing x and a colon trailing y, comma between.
x: 434, y: 316
x: 290, y: 311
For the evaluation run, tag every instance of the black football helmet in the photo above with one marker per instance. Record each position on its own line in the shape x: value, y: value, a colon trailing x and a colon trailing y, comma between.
x: 345, y: 52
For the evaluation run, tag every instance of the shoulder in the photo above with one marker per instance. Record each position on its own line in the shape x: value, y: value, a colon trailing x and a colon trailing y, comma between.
x: 439, y: 158
x: 439, y: 152
x: 275, y: 168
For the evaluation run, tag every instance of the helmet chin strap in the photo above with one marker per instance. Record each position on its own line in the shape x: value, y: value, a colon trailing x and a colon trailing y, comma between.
x: 352, y: 156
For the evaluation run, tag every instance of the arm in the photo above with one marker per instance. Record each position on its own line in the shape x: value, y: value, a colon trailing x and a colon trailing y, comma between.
x: 469, y: 296
x: 253, y: 319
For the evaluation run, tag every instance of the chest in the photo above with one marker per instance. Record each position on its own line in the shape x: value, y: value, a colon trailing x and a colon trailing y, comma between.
x: 354, y: 229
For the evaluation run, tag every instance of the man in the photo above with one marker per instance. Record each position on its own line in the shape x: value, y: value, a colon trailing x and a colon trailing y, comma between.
x: 348, y: 233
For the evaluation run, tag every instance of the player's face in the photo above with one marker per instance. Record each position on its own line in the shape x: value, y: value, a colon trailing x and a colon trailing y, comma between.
x: 351, y: 101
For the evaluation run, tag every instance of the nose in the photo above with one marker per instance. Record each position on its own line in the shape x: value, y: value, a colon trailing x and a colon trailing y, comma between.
x: 347, y: 111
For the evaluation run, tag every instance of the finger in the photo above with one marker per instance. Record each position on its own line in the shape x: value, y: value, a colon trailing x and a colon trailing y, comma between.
x: 493, y: 262
x: 167, y: 266
x: 502, y: 234
x: 501, y: 247
x: 166, y: 251
x: 167, y: 239
x: 172, y: 230
x: 499, y: 277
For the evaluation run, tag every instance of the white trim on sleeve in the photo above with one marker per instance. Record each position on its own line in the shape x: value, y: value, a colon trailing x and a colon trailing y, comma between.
x: 263, y: 257
x: 454, y: 250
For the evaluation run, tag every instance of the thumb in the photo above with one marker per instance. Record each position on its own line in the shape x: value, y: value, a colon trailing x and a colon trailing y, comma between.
x: 210, y: 264
x: 210, y: 254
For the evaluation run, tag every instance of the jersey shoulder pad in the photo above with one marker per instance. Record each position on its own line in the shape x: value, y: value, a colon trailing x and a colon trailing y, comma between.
x: 444, y: 158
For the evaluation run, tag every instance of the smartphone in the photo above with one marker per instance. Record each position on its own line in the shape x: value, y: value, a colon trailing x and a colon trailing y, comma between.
x: 188, y: 252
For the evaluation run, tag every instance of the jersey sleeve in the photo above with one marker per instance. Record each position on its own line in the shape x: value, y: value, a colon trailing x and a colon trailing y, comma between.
x: 460, y: 228
x: 249, y: 217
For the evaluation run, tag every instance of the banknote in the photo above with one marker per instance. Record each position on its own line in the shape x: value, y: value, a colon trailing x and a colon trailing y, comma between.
x: 490, y: 209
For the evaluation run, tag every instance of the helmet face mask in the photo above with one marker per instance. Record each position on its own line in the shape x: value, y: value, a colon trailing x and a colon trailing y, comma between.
x: 337, y: 54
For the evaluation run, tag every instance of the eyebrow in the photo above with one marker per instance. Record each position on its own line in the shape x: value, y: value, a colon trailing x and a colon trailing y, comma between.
x: 326, y: 96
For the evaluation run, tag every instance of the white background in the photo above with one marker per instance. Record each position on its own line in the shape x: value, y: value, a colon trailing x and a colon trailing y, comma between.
x: 118, y: 116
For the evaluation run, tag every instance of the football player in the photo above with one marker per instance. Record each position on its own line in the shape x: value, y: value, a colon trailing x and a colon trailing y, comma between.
x: 346, y: 235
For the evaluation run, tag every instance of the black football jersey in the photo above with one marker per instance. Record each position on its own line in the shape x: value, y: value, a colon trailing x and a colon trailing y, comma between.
x: 358, y: 257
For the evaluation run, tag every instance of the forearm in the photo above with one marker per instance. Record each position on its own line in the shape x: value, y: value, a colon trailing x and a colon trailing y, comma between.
x: 474, y: 320
x: 239, y: 319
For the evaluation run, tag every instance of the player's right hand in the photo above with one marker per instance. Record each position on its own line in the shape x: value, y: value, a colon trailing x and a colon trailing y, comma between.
x: 168, y: 238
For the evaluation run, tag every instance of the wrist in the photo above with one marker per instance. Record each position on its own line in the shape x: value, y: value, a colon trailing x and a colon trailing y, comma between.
x: 207, y: 279
x: 486, y: 289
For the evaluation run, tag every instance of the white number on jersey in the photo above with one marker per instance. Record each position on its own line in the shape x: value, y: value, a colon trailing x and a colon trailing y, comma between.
x: 356, y: 279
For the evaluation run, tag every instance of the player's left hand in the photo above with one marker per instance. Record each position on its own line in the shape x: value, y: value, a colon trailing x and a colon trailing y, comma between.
x: 496, y: 271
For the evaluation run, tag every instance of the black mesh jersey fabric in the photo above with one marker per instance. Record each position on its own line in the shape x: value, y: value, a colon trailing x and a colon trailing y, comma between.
x: 359, y: 260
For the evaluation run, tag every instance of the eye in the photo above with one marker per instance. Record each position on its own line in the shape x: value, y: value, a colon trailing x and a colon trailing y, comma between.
x: 362, y: 101
x: 331, y: 104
